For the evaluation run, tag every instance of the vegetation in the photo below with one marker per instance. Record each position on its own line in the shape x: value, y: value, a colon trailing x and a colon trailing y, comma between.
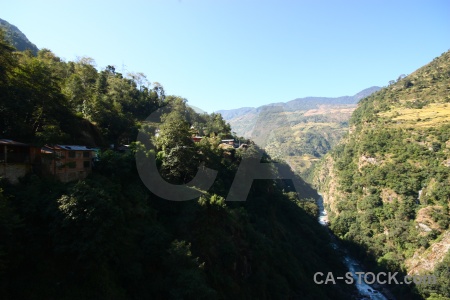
x: 17, y: 38
x: 300, y: 131
x: 108, y: 237
x: 392, y: 174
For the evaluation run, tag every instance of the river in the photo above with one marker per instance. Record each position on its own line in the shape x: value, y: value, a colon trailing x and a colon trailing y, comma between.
x: 366, y: 291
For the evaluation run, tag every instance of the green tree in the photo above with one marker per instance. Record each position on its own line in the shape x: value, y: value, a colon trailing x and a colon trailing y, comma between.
x: 180, y: 157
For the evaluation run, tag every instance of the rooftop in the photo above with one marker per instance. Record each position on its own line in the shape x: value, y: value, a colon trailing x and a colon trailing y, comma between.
x: 71, y: 147
x: 11, y: 142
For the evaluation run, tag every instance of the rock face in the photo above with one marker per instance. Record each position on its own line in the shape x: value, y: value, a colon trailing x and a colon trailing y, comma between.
x: 327, y: 183
x: 424, y: 261
x: 425, y: 216
x: 447, y: 163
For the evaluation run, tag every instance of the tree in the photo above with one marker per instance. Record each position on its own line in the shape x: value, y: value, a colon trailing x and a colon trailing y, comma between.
x: 90, y: 221
x: 159, y: 89
x: 179, y: 154
x: 7, y: 60
x: 9, y: 221
x: 174, y: 132
x: 7, y: 64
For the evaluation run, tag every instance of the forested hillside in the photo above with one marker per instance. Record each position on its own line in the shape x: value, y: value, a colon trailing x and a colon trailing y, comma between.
x: 108, y: 237
x: 17, y: 38
x: 387, y: 184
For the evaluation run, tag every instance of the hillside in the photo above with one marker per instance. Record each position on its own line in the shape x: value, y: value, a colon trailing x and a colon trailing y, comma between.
x: 108, y: 236
x: 299, y: 131
x: 387, y: 184
x: 17, y: 38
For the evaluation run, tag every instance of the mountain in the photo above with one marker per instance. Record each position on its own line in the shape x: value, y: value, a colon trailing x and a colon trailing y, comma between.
x: 299, y: 131
x: 300, y: 104
x: 387, y: 184
x: 196, y: 109
x: 17, y: 38
x: 314, y: 102
x: 233, y: 113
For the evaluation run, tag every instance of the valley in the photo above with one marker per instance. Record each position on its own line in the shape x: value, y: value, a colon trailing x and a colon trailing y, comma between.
x: 382, y: 165
x: 385, y: 185
x: 298, y: 132
x: 287, y: 190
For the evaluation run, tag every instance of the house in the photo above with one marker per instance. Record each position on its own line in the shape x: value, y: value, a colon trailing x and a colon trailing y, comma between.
x: 123, y: 148
x: 197, y: 138
x: 67, y: 162
x: 228, y: 142
x: 16, y: 159
x: 231, y: 142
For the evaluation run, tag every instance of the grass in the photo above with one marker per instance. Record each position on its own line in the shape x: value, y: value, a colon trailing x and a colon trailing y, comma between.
x: 431, y: 115
x: 302, y: 163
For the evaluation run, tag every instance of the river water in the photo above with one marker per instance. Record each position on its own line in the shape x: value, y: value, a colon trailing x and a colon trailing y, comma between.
x: 366, y: 291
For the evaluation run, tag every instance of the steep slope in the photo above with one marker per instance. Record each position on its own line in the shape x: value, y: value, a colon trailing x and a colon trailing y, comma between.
x: 108, y: 236
x: 196, y: 109
x: 387, y: 185
x: 17, y: 38
x: 299, y: 131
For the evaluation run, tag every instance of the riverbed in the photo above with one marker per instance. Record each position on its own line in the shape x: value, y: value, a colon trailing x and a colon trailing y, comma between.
x: 365, y: 291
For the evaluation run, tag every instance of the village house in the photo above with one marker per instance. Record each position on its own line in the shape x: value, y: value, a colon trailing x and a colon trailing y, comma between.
x: 16, y: 159
x: 67, y: 162
x: 197, y: 138
x: 228, y: 142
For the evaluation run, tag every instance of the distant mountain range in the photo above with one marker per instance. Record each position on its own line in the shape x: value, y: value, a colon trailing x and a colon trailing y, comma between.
x: 17, y: 38
x: 306, y: 103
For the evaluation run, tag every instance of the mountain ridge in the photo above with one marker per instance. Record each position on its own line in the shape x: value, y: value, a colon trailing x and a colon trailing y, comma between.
x: 17, y: 38
x: 295, y: 104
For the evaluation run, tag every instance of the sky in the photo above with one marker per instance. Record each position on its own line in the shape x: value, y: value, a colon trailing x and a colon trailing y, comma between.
x: 228, y: 54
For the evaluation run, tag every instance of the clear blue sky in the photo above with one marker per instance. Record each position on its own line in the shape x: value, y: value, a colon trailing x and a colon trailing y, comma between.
x: 227, y: 54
